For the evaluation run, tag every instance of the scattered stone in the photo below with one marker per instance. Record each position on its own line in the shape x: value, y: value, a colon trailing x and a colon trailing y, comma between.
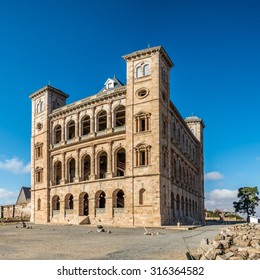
x: 100, y: 228
x: 240, y: 242
x: 147, y: 232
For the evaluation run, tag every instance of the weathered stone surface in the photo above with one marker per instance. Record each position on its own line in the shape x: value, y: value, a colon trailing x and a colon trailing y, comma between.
x: 229, y: 255
x: 241, y: 242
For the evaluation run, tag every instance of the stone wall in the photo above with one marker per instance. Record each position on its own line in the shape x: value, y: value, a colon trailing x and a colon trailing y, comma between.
x: 16, y: 211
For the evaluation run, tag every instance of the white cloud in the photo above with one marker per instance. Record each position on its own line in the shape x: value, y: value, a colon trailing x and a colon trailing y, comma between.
x: 214, y: 175
x: 221, y: 199
x: 15, y: 165
x: 7, y: 197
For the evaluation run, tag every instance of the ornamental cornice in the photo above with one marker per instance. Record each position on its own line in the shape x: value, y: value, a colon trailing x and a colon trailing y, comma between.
x: 88, y: 102
x: 150, y: 51
x: 183, y: 122
x: 50, y: 88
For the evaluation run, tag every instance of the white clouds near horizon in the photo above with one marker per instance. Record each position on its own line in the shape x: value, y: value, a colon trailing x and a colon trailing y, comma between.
x: 221, y: 199
x: 214, y: 175
x: 7, y: 196
x: 15, y: 165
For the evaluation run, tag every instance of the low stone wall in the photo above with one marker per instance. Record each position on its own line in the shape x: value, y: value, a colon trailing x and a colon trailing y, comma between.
x: 16, y: 211
x: 240, y: 242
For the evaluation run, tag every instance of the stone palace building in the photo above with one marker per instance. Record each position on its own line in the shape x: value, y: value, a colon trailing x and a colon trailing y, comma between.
x: 124, y: 156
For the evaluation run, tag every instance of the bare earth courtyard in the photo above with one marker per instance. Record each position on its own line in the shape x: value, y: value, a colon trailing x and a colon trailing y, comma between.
x: 61, y: 242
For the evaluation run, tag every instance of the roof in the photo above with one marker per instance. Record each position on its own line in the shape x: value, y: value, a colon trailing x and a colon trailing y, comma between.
x: 194, y: 119
x: 116, y: 84
x: 48, y: 87
x: 24, y: 195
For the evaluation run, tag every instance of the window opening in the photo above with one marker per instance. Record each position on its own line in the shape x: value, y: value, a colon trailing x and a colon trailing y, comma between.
x: 57, y: 173
x: 72, y: 170
x: 120, y: 201
x: 71, y: 130
x: 102, y: 165
x: 102, y: 200
x: 120, y: 162
x: 57, y: 134
x: 86, y: 125
x: 102, y: 120
x: 120, y: 116
x: 86, y: 168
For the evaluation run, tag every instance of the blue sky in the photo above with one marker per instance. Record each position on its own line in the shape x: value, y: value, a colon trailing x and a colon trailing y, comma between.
x: 75, y: 45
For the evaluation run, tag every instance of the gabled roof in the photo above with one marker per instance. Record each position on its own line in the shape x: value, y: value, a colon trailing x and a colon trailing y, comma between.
x: 24, y: 195
x: 116, y: 84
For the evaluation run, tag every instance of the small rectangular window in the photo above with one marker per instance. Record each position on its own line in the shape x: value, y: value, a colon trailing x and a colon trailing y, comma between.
x: 38, y: 152
x: 142, y: 124
x: 142, y: 158
x: 39, y: 176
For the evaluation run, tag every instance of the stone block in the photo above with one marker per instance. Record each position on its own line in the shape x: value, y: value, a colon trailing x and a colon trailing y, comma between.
x: 229, y: 255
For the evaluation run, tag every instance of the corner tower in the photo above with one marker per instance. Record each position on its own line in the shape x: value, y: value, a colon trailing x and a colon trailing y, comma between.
x: 148, y: 73
x: 44, y: 101
x: 196, y: 125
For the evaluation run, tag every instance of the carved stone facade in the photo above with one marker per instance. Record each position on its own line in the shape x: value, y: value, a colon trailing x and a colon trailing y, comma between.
x: 124, y: 156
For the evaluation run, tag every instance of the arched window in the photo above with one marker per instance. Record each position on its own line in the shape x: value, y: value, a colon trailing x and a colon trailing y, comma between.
x: 139, y: 72
x: 146, y: 70
x: 85, y: 125
x: 57, y: 173
x: 57, y: 134
x: 120, y: 116
x: 190, y: 214
x: 172, y: 204
x: 55, y: 202
x: 71, y: 130
x: 39, y: 106
x: 142, y: 70
x: 182, y: 205
x: 102, y: 120
x: 178, y: 203
x: 102, y: 165
x: 83, y: 204
x: 69, y: 203
x: 120, y: 201
x: 102, y: 200
x: 71, y: 170
x: 120, y: 162
x: 142, y: 196
x: 39, y: 204
x: 86, y: 167
x: 186, y: 207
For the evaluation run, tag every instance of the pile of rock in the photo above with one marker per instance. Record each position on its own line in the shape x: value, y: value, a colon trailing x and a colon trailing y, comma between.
x: 241, y: 242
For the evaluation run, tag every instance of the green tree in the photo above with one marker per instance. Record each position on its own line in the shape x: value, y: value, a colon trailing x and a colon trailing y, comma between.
x: 248, y: 201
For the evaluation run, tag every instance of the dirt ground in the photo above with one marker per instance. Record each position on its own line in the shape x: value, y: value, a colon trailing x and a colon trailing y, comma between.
x: 61, y: 242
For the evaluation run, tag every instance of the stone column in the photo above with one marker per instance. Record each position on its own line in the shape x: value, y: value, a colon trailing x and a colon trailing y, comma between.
x: 109, y: 119
x: 76, y: 179
x: 109, y: 160
x: 92, y: 168
x: 63, y: 177
x: 77, y: 128
x: 92, y: 123
x: 63, y: 131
